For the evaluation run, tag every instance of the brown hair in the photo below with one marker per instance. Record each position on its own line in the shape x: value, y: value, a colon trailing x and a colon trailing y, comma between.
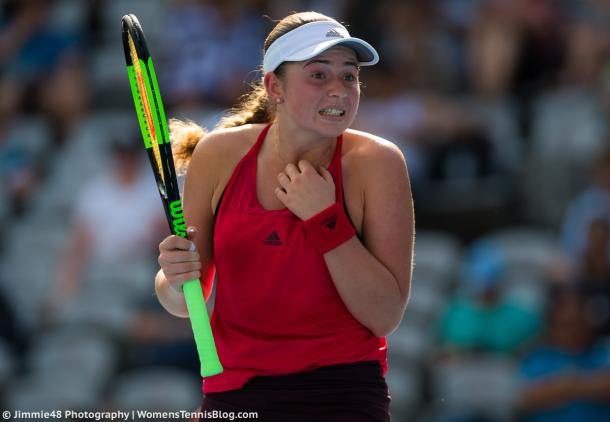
x: 253, y: 107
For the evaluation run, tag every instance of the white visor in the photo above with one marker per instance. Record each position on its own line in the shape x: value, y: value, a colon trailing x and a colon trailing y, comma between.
x: 313, y: 38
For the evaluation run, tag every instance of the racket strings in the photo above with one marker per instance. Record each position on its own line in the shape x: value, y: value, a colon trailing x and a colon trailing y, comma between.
x: 146, y: 106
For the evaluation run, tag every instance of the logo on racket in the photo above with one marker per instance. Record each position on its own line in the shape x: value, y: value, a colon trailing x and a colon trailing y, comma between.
x: 175, y: 208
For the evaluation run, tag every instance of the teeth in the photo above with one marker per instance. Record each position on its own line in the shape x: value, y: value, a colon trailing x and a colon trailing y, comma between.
x: 332, y: 112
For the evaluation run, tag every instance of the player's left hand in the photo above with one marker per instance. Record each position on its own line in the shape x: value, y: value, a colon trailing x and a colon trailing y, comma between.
x: 304, y: 190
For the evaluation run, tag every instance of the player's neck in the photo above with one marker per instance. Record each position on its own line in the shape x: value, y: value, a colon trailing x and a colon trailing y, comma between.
x: 288, y: 147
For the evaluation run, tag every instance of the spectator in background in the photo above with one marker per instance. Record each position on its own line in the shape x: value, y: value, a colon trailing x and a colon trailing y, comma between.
x: 596, y: 267
x: 588, y: 44
x: 42, y: 72
x: 43, y: 68
x: 419, y: 46
x: 20, y: 170
x: 479, y: 318
x: 569, y: 125
x: 517, y: 49
x: 207, y: 35
x: 11, y: 331
x: 429, y: 129
x: 594, y: 273
x: 103, y: 276
x: 591, y: 205
x: 567, y: 377
x: 450, y: 144
x: 117, y: 219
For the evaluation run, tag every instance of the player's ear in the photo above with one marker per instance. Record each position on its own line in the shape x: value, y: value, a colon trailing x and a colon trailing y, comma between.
x: 273, y: 85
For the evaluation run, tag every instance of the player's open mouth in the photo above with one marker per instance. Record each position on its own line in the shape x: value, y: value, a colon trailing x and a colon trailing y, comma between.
x: 332, y: 112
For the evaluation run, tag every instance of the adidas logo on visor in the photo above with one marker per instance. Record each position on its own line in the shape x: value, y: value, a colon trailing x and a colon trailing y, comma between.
x: 333, y: 33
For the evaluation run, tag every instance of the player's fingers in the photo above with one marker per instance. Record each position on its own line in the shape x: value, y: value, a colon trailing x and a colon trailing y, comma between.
x: 181, y: 268
x: 291, y: 171
x: 326, y: 174
x: 175, y: 257
x: 304, y: 166
x: 177, y: 281
x: 175, y: 242
x: 283, y: 180
x: 281, y: 195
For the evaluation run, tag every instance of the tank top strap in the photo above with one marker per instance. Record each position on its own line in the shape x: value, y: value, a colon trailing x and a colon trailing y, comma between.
x: 238, y: 195
x: 336, y: 170
x: 259, y: 142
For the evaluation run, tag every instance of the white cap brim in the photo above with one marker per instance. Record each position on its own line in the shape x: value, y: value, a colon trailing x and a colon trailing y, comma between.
x: 314, y: 38
x: 365, y: 53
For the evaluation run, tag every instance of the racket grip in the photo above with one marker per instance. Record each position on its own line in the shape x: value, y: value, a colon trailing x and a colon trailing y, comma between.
x: 202, y: 331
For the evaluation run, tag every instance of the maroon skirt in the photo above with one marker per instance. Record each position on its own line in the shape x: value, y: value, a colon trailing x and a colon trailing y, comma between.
x: 355, y: 392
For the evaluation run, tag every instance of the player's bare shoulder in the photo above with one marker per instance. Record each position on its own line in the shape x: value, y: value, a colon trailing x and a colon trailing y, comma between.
x: 221, y: 149
x: 217, y: 154
x: 224, y: 143
x: 369, y: 152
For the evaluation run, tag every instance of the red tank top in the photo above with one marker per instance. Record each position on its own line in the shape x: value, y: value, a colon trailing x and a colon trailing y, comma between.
x: 276, y: 310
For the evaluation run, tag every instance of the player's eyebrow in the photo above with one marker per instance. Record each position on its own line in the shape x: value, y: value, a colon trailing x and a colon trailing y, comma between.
x: 312, y: 61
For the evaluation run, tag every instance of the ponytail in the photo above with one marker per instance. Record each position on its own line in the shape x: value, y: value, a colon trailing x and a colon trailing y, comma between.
x: 184, y: 136
x: 253, y: 107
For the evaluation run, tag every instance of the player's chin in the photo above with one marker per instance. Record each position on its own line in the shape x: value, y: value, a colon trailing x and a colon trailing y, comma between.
x: 335, y: 125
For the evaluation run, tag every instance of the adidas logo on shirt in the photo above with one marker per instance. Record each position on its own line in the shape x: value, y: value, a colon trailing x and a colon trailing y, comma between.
x: 273, y: 240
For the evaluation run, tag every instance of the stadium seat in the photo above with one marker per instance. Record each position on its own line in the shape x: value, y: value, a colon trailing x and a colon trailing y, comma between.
x: 156, y: 389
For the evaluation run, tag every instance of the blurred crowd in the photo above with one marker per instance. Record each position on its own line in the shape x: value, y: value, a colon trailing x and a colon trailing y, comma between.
x: 502, y: 110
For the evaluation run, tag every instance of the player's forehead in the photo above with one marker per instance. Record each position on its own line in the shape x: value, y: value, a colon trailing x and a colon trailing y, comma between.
x: 338, y: 54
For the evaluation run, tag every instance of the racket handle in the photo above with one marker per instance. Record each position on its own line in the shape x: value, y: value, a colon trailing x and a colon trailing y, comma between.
x: 200, y: 323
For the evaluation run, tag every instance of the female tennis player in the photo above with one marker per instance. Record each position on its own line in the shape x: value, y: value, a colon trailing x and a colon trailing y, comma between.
x: 309, y: 228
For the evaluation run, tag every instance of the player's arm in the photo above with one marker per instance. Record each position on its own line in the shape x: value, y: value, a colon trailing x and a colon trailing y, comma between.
x: 373, y: 276
x: 178, y: 262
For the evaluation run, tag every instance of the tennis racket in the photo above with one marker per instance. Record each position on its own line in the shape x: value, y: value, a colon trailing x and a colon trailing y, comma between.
x: 153, y: 124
